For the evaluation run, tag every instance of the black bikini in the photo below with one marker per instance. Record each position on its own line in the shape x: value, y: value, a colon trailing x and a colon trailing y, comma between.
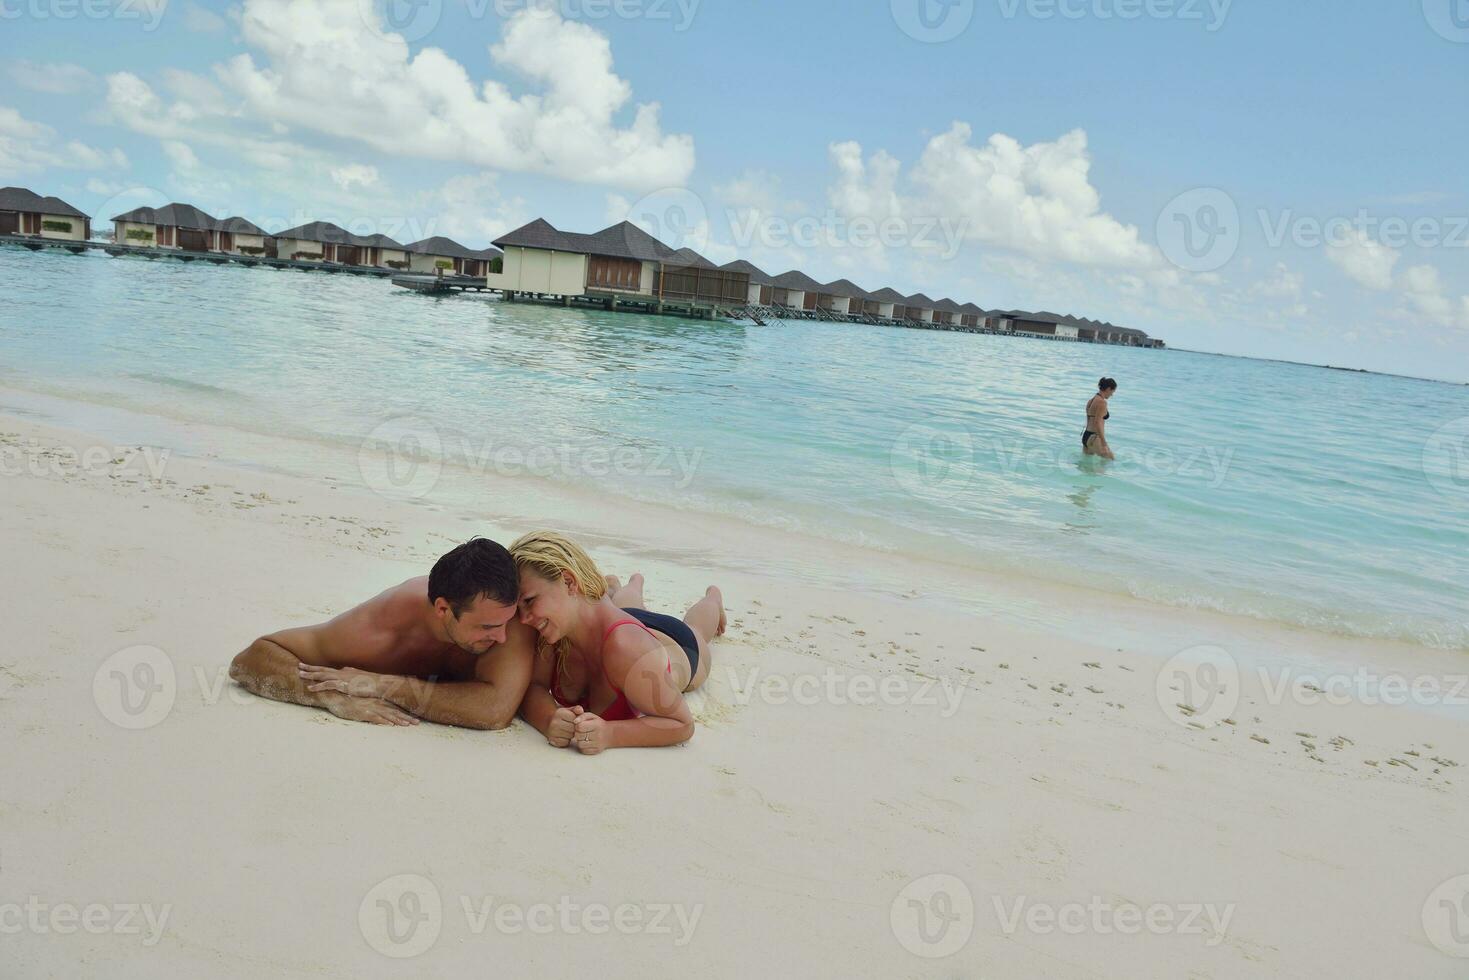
x: 1086, y: 436
x: 675, y: 629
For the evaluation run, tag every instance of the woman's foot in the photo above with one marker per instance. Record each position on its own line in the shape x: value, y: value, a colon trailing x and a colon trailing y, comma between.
x: 629, y: 596
x: 713, y: 593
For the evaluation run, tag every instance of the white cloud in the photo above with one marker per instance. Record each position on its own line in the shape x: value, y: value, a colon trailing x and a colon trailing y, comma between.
x: 203, y: 21
x: 866, y: 188
x: 181, y: 155
x: 757, y: 190
x: 1035, y: 199
x: 323, y: 70
x: 27, y: 147
x: 1366, y: 262
x: 471, y: 209
x: 1282, y: 283
x: 1424, y: 290
x: 53, y: 78
x: 358, y: 174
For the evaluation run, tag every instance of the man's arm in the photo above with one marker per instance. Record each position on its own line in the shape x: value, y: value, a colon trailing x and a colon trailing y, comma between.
x: 485, y: 701
x: 270, y: 667
x: 488, y: 702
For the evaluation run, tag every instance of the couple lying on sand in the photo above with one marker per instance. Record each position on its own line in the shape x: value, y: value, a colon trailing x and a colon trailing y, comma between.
x: 537, y: 628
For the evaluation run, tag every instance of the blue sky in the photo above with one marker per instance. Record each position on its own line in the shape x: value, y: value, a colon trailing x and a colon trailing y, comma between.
x: 1041, y: 154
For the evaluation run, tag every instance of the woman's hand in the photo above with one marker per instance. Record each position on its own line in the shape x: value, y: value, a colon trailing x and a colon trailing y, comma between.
x: 563, y: 726
x: 591, y: 734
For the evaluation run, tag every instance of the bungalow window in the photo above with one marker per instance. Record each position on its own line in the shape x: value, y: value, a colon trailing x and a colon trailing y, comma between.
x: 610, y: 273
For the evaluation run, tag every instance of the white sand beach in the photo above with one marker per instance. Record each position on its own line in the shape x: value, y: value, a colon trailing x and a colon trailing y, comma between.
x: 851, y: 744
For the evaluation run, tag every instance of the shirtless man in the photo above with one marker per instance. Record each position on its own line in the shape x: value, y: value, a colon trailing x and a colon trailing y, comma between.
x: 448, y: 648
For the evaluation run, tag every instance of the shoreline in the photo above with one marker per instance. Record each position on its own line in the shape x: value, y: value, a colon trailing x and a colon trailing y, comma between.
x: 739, y: 542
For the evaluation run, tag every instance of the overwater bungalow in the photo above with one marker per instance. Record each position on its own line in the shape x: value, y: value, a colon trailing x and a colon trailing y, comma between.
x: 240, y: 237
x: 891, y: 304
x: 180, y: 226
x: 437, y: 255
x: 322, y: 241
x: 761, y: 283
x: 971, y: 316
x: 845, y: 297
x: 947, y: 312
x: 795, y: 290
x: 484, y: 261
x: 621, y: 261
x: 24, y: 212
x: 918, y: 308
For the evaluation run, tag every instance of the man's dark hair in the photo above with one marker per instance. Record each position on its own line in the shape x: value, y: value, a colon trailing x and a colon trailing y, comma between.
x: 478, y: 567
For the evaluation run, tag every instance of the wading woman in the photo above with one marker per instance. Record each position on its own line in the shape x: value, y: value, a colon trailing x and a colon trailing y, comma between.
x: 1094, y: 437
x: 608, y: 673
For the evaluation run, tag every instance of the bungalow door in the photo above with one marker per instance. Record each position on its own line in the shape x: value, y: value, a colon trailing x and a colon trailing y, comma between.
x: 193, y: 240
x: 9, y: 222
x: 226, y: 242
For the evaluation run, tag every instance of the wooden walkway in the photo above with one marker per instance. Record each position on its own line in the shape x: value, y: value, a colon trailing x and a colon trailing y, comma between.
x: 36, y: 244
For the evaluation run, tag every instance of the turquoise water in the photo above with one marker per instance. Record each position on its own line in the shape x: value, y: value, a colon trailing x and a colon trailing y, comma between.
x: 1333, y: 500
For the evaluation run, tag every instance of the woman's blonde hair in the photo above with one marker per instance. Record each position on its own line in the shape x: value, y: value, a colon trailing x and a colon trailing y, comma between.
x: 550, y: 555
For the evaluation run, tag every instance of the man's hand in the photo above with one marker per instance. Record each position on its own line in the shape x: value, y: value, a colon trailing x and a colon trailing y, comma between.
x: 563, y: 726
x: 344, y: 680
x: 370, y: 710
x: 591, y: 734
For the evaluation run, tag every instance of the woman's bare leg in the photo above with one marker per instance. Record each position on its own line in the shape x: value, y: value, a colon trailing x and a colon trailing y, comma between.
x: 706, y: 618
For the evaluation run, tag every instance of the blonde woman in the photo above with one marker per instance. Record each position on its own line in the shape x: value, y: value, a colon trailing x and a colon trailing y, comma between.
x: 608, y: 673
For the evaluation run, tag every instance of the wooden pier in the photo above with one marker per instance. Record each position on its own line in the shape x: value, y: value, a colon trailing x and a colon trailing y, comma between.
x: 36, y: 244
x: 441, y: 285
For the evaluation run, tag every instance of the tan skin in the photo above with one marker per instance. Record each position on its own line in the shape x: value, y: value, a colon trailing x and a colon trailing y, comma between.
x: 399, y: 658
x: 650, y: 668
x: 1096, y: 421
